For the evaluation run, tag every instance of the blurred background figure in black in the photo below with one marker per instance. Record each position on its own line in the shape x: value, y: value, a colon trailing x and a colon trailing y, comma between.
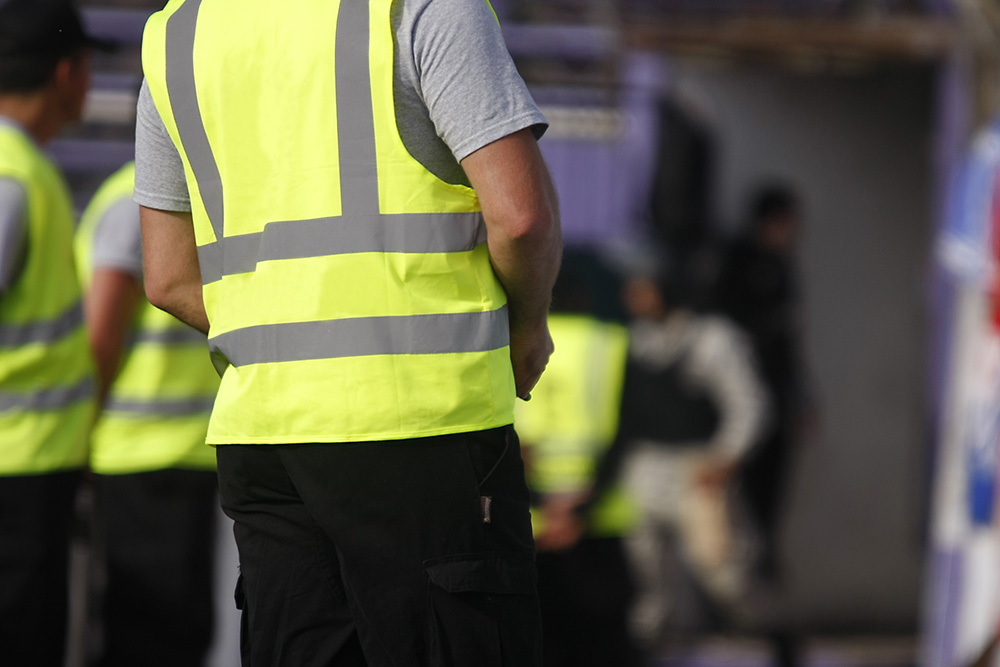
x: 584, y: 583
x: 759, y: 290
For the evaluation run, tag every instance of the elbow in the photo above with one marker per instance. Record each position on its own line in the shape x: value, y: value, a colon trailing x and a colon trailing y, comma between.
x: 538, y: 225
x: 157, y: 297
x: 159, y: 292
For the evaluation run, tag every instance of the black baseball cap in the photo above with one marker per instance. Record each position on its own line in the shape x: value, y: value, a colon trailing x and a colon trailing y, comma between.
x: 43, y: 29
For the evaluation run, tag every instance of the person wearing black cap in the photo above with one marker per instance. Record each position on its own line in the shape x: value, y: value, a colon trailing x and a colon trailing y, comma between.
x: 46, y: 373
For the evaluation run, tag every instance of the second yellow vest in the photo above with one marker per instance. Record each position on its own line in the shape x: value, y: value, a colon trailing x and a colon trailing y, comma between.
x: 572, y: 417
x: 46, y: 370
x: 157, y: 409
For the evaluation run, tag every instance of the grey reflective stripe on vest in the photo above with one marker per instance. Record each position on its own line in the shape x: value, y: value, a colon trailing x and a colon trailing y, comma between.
x: 48, y: 331
x: 47, y: 399
x: 182, y: 407
x: 404, y: 233
x: 355, y: 118
x: 364, y: 336
x: 183, y: 94
x: 185, y: 336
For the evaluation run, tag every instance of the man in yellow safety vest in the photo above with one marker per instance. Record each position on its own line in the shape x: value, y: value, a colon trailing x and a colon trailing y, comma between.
x: 154, y: 477
x: 348, y: 197
x: 46, y: 373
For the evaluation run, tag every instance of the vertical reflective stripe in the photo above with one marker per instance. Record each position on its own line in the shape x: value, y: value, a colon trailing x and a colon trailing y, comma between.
x: 183, y: 94
x: 355, y: 116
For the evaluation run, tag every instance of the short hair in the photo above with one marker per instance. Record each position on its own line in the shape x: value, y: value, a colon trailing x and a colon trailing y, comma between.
x: 771, y: 201
x: 26, y: 74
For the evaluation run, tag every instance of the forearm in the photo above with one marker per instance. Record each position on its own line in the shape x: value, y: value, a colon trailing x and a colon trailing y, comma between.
x: 170, y: 266
x: 184, y: 302
x: 521, y: 211
x: 109, y: 307
x: 519, y: 207
x: 526, y: 265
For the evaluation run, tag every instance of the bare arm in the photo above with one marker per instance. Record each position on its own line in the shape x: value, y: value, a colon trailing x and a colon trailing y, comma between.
x: 525, y: 243
x: 170, y: 265
x: 111, y: 301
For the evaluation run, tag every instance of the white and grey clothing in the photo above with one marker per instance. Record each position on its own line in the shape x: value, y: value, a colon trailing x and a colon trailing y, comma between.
x: 688, y: 530
x: 118, y: 240
x: 718, y: 358
x: 13, y: 231
x: 455, y: 89
x: 13, y: 223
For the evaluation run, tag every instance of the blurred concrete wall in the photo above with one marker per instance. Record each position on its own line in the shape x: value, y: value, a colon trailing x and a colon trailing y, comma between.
x: 858, y: 147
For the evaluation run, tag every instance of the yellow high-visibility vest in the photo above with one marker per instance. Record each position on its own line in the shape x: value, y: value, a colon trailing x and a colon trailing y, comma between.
x: 46, y: 371
x: 156, y: 412
x: 349, y: 290
x: 572, y: 417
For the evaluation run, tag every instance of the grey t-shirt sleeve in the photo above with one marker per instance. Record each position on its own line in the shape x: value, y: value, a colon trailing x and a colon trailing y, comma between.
x: 118, y: 239
x: 467, y: 79
x: 159, y: 172
x: 13, y: 231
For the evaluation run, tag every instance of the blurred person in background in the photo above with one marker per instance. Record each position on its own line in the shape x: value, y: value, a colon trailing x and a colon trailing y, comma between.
x: 759, y: 290
x: 692, y: 406
x: 155, y: 483
x: 584, y: 583
x: 46, y: 372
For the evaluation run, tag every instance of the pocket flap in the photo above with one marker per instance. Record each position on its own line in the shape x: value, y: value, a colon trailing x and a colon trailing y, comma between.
x: 484, y: 573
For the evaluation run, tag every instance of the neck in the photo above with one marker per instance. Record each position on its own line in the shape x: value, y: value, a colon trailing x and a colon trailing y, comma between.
x: 32, y: 111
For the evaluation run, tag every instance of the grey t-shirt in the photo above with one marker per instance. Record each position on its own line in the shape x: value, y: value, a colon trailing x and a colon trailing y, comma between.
x: 455, y: 86
x: 13, y: 224
x: 117, y: 240
x: 13, y: 231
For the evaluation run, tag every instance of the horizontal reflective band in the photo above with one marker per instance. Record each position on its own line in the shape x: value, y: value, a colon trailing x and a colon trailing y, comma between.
x: 321, y: 237
x: 50, y: 331
x: 162, y: 408
x: 47, y: 399
x: 364, y: 336
x: 185, y: 336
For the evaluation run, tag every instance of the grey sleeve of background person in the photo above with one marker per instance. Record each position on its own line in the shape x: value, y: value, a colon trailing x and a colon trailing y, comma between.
x: 159, y: 172
x: 118, y: 239
x: 13, y: 231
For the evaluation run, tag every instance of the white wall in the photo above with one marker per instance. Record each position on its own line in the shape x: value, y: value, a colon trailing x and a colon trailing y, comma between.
x: 859, y: 149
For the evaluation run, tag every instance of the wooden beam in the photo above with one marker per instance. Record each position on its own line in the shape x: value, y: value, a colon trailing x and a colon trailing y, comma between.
x: 892, y: 38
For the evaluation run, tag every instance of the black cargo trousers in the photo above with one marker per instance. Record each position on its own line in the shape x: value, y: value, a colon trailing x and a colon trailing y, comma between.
x: 405, y: 553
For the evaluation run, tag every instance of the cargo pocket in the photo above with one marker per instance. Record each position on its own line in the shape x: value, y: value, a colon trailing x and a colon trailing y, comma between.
x: 483, y: 611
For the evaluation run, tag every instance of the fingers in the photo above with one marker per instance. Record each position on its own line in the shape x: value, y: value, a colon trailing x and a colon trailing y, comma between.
x: 563, y: 529
x: 529, y: 358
